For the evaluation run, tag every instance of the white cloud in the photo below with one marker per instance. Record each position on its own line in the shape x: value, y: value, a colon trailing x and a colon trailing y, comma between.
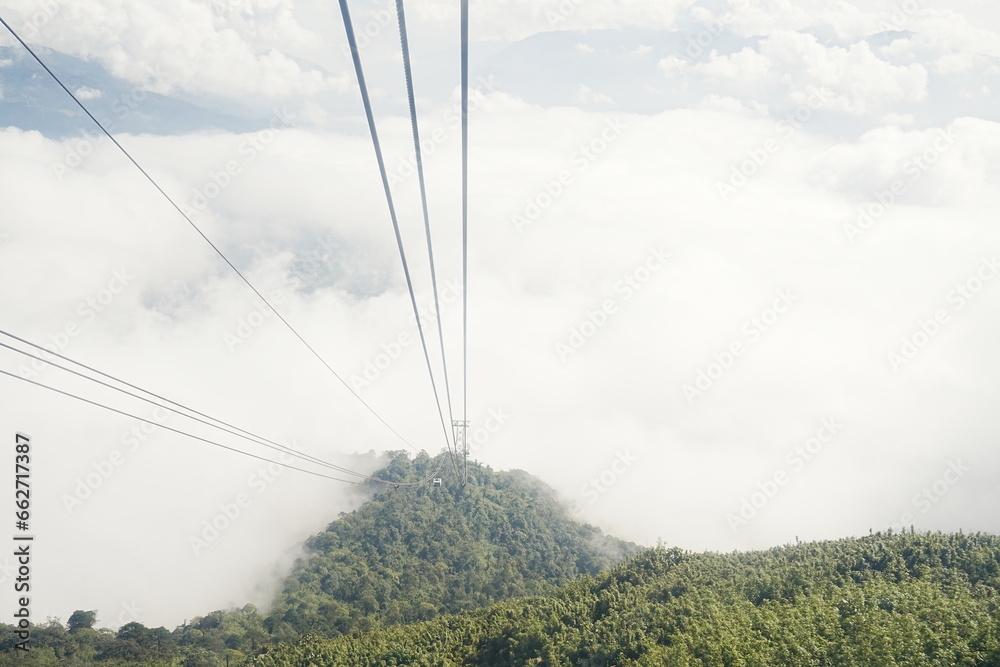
x: 933, y: 166
x: 186, y: 45
x: 965, y: 25
x: 956, y: 63
x: 733, y: 105
x: 951, y: 29
x: 746, y: 68
x: 85, y: 93
x: 849, y: 20
x: 901, y: 119
x: 673, y: 65
x: 623, y: 388
x: 607, y: 187
x: 859, y: 81
x: 588, y: 96
x: 902, y: 50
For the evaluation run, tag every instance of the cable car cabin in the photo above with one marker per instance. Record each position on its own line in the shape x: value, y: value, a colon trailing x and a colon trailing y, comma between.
x: 437, y: 481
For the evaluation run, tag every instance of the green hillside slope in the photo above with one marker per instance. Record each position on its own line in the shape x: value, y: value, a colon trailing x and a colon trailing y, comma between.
x: 414, y: 553
x: 409, y: 554
x: 883, y: 600
x: 497, y: 573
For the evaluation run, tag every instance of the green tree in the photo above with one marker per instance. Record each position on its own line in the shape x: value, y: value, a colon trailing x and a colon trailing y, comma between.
x: 80, y: 620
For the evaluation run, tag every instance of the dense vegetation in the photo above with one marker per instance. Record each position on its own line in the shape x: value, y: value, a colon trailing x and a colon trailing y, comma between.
x: 496, y: 573
x: 410, y: 554
x: 882, y: 600
x: 207, y: 641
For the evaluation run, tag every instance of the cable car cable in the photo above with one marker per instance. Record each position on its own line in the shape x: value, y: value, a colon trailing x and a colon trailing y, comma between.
x: 404, y: 45
x: 202, y: 234
x: 227, y: 427
x: 175, y: 430
x: 212, y: 442
x: 356, y: 56
x: 465, y: 227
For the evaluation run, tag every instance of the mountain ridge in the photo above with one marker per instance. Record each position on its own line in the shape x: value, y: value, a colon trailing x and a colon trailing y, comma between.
x: 887, y: 599
x: 409, y: 553
x: 496, y: 572
x: 413, y: 553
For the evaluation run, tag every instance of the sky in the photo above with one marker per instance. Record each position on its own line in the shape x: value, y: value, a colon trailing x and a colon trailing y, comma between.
x: 733, y: 278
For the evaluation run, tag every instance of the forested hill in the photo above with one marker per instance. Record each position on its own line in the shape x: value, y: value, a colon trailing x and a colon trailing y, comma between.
x: 884, y: 600
x: 495, y: 572
x: 413, y: 553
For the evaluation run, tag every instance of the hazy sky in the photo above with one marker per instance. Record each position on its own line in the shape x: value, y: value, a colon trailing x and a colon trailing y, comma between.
x: 766, y: 312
